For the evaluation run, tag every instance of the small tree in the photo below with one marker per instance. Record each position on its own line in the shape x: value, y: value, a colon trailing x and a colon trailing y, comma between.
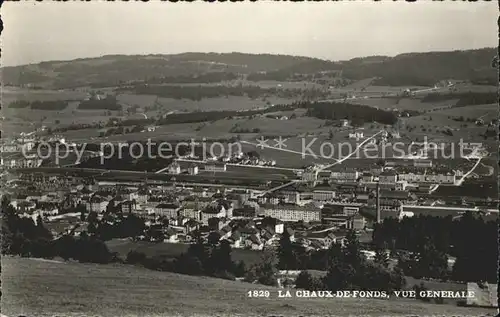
x: 266, y: 271
x: 304, y: 281
x: 135, y: 257
x: 286, y: 257
x: 382, y: 256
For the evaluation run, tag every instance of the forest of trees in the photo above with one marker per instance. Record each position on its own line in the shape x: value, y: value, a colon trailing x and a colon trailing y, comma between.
x: 53, y: 105
x: 22, y: 236
x: 357, y: 114
x: 426, y: 69
x: 197, y: 93
x: 347, y: 268
x: 297, y: 72
x: 109, y: 103
x: 212, y: 77
x: 464, y: 98
x: 430, y: 240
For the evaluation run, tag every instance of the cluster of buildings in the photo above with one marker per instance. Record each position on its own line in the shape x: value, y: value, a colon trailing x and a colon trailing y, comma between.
x: 393, y: 175
x: 20, y: 152
x: 245, y: 217
x: 193, y: 169
x: 17, y: 152
x: 216, y: 164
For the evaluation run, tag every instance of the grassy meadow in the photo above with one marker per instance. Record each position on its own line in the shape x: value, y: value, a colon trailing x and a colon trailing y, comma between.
x: 50, y: 288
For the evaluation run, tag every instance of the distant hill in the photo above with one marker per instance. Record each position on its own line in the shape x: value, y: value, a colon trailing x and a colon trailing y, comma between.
x: 425, y: 69
x: 413, y: 69
x: 118, y: 69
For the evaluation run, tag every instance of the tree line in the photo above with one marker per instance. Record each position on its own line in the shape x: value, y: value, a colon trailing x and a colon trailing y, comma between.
x: 426, y: 69
x: 53, y: 105
x: 464, y: 98
x: 357, y: 114
x: 199, y: 92
x: 346, y: 268
x: 22, y: 236
x: 109, y: 103
x: 211, y: 77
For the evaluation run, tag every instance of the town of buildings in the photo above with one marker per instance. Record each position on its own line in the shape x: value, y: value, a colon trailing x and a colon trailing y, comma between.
x: 317, y: 208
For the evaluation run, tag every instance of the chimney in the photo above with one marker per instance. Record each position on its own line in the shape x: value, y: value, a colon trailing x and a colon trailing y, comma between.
x: 378, y: 203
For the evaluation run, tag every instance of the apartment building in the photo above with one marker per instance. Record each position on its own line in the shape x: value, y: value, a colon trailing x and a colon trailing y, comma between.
x: 292, y: 212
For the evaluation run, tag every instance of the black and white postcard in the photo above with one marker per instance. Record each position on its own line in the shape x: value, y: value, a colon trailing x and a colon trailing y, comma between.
x: 251, y: 158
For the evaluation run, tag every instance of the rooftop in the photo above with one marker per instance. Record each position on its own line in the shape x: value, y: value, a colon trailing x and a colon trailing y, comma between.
x: 291, y: 207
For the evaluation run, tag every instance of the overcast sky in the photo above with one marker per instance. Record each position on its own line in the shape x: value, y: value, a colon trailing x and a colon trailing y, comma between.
x: 36, y: 32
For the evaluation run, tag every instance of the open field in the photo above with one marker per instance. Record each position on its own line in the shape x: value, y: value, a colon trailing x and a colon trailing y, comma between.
x: 172, y: 250
x: 432, y: 124
x: 10, y: 94
x: 206, y: 104
x: 474, y: 88
x: 470, y: 189
x: 220, y: 129
x: 25, y: 120
x: 49, y: 288
x: 266, y: 126
x: 319, y: 148
x: 138, y: 176
x: 261, y: 84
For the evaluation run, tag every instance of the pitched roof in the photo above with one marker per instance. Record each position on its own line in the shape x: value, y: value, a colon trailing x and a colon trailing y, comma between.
x: 167, y: 206
x: 394, y: 194
x: 390, y: 172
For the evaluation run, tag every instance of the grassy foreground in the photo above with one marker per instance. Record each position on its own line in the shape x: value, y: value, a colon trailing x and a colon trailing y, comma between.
x: 49, y: 288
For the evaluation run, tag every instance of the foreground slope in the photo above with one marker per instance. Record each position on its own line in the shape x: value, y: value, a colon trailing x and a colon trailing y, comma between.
x: 48, y: 288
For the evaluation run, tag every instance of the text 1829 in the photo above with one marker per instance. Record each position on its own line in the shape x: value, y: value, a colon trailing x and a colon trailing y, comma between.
x: 258, y: 294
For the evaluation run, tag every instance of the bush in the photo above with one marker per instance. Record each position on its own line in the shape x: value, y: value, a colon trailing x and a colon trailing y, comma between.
x: 304, y: 281
x: 135, y: 257
x: 240, y: 269
x: 421, y: 288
